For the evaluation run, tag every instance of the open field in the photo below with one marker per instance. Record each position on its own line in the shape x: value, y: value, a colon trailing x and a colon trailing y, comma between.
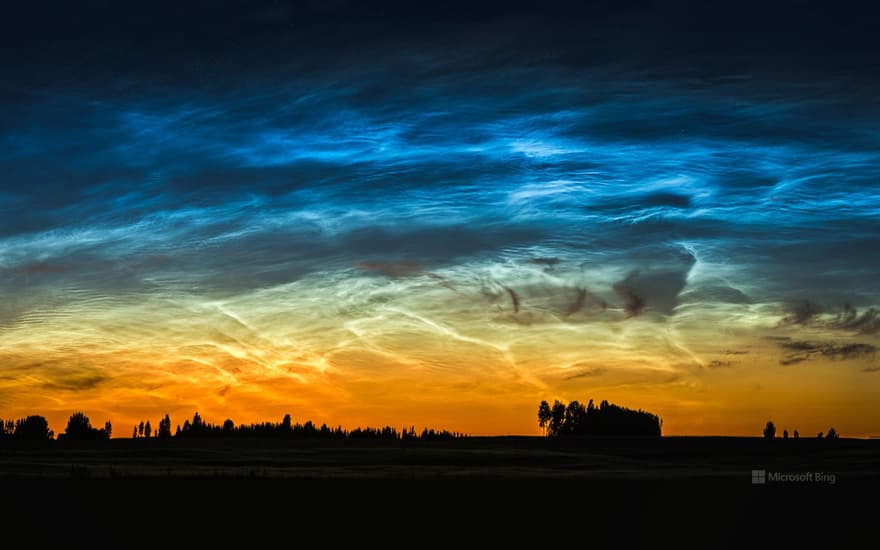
x: 505, y: 458
x: 500, y: 486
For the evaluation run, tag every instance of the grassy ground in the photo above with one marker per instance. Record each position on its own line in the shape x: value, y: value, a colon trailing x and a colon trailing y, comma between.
x: 484, y: 458
x: 210, y: 493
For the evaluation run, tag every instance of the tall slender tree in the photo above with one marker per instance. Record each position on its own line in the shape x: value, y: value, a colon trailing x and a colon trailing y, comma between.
x: 557, y: 417
x: 164, y: 427
x: 544, y: 416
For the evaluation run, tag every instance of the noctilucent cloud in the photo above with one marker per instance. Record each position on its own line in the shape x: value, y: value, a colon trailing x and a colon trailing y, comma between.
x: 413, y: 217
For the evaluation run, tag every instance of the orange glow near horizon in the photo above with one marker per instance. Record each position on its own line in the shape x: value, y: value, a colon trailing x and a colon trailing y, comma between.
x: 436, y: 217
x: 449, y: 365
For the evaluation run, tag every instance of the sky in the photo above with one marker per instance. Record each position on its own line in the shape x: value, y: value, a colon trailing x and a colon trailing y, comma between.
x: 371, y: 213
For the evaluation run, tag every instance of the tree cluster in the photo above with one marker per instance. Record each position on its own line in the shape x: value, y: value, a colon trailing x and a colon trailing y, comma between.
x: 770, y: 432
x: 31, y: 428
x: 606, y: 419
x: 79, y: 428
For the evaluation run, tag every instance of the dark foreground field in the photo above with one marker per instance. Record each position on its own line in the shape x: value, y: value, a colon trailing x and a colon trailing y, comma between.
x: 137, y: 492
x: 716, y: 459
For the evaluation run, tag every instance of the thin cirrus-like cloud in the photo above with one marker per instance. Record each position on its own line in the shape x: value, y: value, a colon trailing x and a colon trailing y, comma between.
x: 587, y: 373
x: 868, y: 322
x: 846, y: 317
x: 797, y: 351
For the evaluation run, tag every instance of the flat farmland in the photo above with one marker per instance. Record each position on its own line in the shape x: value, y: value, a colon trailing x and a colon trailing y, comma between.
x: 611, y: 459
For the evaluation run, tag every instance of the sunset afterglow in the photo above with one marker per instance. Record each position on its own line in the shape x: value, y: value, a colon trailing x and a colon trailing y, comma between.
x: 437, y: 230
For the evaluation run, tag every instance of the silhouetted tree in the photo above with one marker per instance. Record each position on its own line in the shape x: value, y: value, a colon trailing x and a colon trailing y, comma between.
x: 164, y: 431
x: 7, y: 429
x: 79, y: 427
x: 147, y: 429
x: 797, y: 435
x: 285, y: 423
x: 134, y: 433
x: 141, y: 428
x: 575, y: 417
x: 819, y: 435
x: 784, y: 434
x: 544, y: 416
x: 228, y: 426
x: 108, y: 429
x: 769, y: 430
x: 832, y: 434
x: 557, y: 417
x: 31, y: 428
x: 309, y: 429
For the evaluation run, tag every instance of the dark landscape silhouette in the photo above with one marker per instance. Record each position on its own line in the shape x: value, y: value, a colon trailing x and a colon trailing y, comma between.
x: 79, y: 428
x: 606, y: 419
x: 589, y: 442
x: 558, y: 420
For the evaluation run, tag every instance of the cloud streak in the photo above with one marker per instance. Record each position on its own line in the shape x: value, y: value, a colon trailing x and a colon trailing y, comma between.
x: 800, y: 350
x: 868, y: 322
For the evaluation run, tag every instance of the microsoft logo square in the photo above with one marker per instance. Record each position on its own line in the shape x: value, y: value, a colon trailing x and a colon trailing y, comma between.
x: 759, y: 477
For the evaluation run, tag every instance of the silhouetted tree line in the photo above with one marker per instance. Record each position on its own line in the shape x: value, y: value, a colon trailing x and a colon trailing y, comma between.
x: 36, y: 427
x: 606, y: 419
x: 79, y: 427
x: 31, y: 428
x: 770, y: 432
x: 286, y: 429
